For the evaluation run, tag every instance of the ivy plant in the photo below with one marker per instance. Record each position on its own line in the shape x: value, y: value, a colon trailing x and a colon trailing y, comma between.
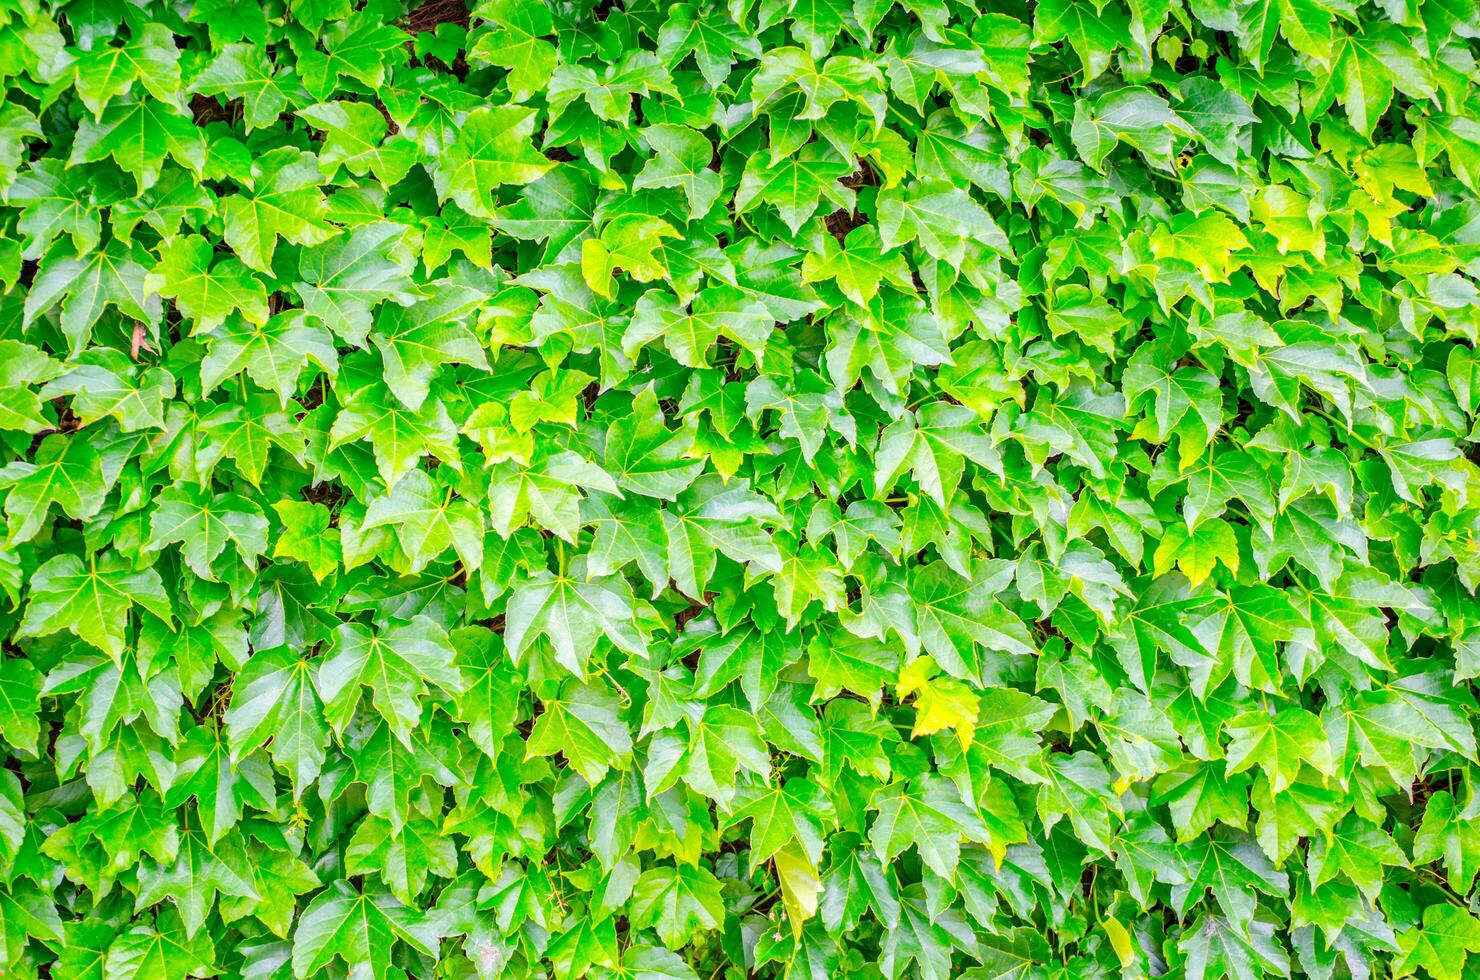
x: 739, y: 488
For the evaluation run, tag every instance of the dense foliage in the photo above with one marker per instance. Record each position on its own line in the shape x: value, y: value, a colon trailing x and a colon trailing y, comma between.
x: 798, y: 487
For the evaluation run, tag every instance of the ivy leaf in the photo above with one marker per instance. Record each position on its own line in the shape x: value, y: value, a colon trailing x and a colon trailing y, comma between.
x: 275, y: 698
x: 308, y: 537
x: 492, y: 149
x: 858, y: 266
x: 930, y: 815
x: 284, y: 202
x: 220, y: 787
x: 360, y: 927
x: 571, y: 615
x: 1093, y: 34
x: 20, y: 704
x: 1005, y: 718
x: 491, y: 688
x: 273, y: 353
x: 344, y: 278
x: 809, y: 483
x: 398, y: 436
x: 428, y: 521
x: 715, y: 42
x: 584, y: 725
x: 858, y: 664
x: 1133, y: 115
x: 555, y: 209
x: 1450, y: 835
x: 721, y: 742
x: 52, y: 206
x: 646, y: 457
x: 244, y: 71
x: 415, y: 341
x: 92, y: 602
x: 139, y: 136
x: 717, y: 520
x: 355, y: 138
x: 1076, y: 789
x: 1443, y: 943
x: 942, y: 221
x: 67, y: 471
x: 1358, y: 850
x: 161, y: 950
x: 204, y: 526
x: 1279, y: 744
x: 1219, y: 943
x: 955, y: 616
x: 516, y: 43
x: 396, y: 663
x: 780, y: 815
x: 690, y: 332
x: 150, y: 59
x: 205, y: 292
x: 935, y: 446
x: 681, y: 159
x: 86, y: 285
x: 796, y: 186
x: 678, y: 902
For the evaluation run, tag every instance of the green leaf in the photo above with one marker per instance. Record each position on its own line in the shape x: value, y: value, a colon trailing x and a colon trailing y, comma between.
x: 243, y: 71
x: 689, y: 331
x: 1449, y: 835
x: 52, y: 206
x: 308, y: 537
x: 398, y: 436
x: 782, y: 814
x: 204, y: 526
x: 67, y: 471
x: 1092, y: 33
x: 284, y: 202
x: 20, y: 704
x: 274, y: 698
x: 359, y: 927
x: 343, y: 279
x: 679, y: 903
x: 858, y: 266
x: 273, y: 353
x: 929, y: 815
x: 207, y: 293
x: 795, y: 186
x: 139, y: 136
x: 355, y: 138
x: 1442, y: 944
x: 396, y: 664
x: 416, y: 341
x: 571, y: 615
x: 1358, y: 850
x: 516, y: 43
x: 150, y: 59
x: 721, y: 742
x: 428, y: 521
x: 1278, y: 743
x: 714, y: 41
x: 160, y: 951
x: 492, y: 149
x: 1077, y: 788
x: 583, y: 724
x: 644, y: 456
x: 92, y: 602
x: 86, y: 285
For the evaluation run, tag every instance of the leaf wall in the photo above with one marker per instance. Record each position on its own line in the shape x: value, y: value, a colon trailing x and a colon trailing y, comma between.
x: 778, y: 488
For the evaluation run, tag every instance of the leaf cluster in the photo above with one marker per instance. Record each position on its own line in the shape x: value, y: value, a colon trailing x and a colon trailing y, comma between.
x: 779, y: 488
